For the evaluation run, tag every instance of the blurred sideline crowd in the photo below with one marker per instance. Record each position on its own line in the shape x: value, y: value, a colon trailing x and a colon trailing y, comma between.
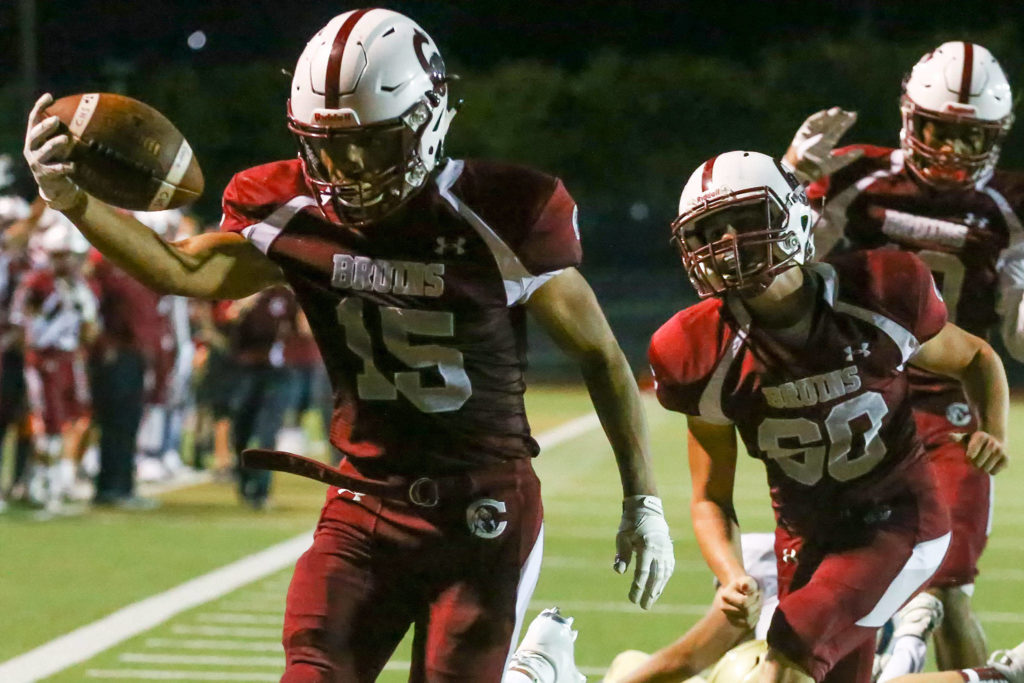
x: 105, y: 384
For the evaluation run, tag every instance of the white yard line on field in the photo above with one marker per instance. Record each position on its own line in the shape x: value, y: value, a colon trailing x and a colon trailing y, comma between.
x: 178, y: 675
x: 238, y: 618
x: 198, y: 660
x: 88, y: 641
x: 220, y: 645
x: 181, y: 675
x: 623, y: 607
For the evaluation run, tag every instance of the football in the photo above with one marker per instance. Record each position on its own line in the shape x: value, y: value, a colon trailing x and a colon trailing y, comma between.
x: 128, y: 154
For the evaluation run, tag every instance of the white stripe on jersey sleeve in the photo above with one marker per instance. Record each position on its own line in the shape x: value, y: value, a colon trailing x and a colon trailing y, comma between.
x: 901, y: 336
x: 831, y: 225
x: 263, y: 234
x: 519, y: 283
x: 1009, y: 215
x: 710, y: 404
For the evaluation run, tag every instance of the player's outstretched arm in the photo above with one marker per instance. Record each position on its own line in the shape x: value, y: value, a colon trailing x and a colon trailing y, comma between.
x: 567, y: 308
x: 701, y: 646
x: 712, y: 456
x: 215, y: 266
x: 959, y: 354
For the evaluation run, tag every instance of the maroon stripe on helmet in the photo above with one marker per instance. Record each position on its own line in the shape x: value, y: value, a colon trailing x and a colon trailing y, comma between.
x: 705, y: 178
x: 331, y: 95
x: 968, y: 73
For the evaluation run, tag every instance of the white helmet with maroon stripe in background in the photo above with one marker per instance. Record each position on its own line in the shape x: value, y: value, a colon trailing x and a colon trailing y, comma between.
x: 743, y: 219
x: 59, y: 236
x: 369, y: 108
x: 956, y: 109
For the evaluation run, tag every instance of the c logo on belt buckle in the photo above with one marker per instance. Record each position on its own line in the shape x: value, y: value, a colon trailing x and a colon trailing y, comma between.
x: 482, y: 518
x: 424, y: 492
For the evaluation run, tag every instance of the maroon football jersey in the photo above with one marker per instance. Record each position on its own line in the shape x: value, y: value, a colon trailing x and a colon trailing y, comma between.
x: 829, y: 417
x: 14, y: 264
x: 129, y: 311
x: 877, y: 202
x: 52, y: 309
x: 418, y: 317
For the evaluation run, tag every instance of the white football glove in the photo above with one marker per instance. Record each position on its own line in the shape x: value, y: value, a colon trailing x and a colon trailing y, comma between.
x: 643, y: 530
x: 46, y: 154
x: 810, y: 153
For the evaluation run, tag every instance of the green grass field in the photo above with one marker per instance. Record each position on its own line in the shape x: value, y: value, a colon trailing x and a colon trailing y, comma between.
x: 58, y: 575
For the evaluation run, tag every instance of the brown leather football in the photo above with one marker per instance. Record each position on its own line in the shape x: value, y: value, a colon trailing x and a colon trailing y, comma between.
x: 128, y: 154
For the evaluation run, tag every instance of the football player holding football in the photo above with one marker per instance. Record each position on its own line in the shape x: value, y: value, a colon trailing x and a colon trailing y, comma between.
x: 808, y: 362
x: 415, y: 272
x: 940, y: 196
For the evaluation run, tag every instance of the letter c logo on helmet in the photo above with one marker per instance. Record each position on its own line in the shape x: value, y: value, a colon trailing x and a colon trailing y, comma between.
x: 434, y: 65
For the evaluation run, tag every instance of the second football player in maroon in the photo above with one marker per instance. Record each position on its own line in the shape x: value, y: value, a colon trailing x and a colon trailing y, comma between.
x: 807, y: 362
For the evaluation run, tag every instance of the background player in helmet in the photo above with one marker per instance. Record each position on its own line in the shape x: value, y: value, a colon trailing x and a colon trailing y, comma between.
x: 807, y: 362
x: 56, y: 311
x: 17, y: 220
x: 415, y: 273
x: 941, y: 197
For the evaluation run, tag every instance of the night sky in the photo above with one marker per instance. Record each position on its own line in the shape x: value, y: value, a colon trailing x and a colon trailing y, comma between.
x: 80, y: 39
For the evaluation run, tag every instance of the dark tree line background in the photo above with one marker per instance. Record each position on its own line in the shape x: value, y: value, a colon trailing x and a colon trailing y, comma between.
x: 622, y: 126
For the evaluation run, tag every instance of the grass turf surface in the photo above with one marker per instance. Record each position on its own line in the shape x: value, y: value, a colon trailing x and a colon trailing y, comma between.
x: 61, y: 574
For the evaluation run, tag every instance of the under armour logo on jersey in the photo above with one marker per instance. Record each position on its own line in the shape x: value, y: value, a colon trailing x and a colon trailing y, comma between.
x: 788, y: 555
x: 458, y: 246
x: 976, y: 221
x: 863, y: 352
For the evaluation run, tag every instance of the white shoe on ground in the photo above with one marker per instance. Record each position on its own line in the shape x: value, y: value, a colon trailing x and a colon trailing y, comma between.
x: 546, y: 654
x: 919, y: 617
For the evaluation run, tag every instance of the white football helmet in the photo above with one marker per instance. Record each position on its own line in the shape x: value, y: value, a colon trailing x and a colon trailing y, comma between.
x: 743, y: 219
x: 13, y: 208
x: 369, y: 108
x: 63, y: 238
x: 956, y: 109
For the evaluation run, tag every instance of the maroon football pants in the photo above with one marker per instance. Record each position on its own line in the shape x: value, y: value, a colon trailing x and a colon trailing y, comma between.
x: 58, y: 389
x: 965, y: 490
x: 833, y: 596
x: 460, y: 573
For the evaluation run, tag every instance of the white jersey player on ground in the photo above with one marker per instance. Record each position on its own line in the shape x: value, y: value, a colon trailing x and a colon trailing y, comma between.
x: 715, y: 651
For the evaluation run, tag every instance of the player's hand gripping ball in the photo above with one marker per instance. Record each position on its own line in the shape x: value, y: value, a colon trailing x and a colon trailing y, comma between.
x: 120, y: 150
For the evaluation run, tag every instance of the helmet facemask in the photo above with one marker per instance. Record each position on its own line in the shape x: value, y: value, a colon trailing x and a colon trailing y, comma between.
x: 738, y: 241
x: 361, y: 174
x: 949, y: 150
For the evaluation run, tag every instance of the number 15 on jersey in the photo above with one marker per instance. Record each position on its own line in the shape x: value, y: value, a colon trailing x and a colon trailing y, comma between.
x: 396, y: 327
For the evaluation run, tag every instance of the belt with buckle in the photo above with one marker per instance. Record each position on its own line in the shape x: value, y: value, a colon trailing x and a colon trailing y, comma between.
x: 422, y: 492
